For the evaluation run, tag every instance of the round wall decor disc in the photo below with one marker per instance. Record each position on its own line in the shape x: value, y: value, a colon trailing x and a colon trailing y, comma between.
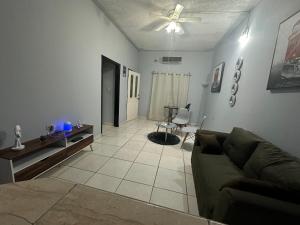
x: 234, y: 88
x: 232, y: 100
x: 239, y: 63
x: 237, y: 75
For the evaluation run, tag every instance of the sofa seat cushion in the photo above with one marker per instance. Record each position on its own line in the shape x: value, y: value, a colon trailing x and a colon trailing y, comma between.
x: 219, y: 170
x: 263, y: 187
x: 239, y: 146
x: 216, y: 170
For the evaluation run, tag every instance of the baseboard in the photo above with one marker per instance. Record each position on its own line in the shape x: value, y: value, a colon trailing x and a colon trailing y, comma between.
x: 108, y: 123
x: 142, y: 117
x: 97, y: 136
x: 123, y: 122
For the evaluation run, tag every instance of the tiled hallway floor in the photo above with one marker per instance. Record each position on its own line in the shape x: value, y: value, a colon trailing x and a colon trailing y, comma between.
x: 124, y: 161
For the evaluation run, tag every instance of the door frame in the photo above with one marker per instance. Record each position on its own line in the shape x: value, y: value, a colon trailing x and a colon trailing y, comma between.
x: 127, y: 76
x: 117, y: 90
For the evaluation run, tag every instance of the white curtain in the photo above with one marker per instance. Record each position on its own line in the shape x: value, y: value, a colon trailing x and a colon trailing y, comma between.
x: 168, y: 89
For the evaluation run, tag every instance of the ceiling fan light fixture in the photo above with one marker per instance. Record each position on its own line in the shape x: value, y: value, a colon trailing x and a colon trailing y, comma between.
x: 177, y: 29
x: 171, y: 27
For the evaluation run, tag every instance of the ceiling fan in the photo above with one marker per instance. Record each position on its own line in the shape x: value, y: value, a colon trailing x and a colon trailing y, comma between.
x: 174, y: 22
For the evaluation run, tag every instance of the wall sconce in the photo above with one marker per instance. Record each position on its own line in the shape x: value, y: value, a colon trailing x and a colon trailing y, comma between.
x: 244, y: 37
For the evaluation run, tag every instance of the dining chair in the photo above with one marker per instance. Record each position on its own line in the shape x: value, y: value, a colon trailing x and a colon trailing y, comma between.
x: 182, y: 118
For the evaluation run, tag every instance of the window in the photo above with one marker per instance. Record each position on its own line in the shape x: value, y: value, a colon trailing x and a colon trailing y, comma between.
x: 136, y: 86
x: 131, y: 86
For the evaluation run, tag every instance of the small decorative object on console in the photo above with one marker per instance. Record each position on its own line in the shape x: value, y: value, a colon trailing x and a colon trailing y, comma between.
x: 18, y: 134
x: 50, y: 129
x: 79, y: 124
x: 68, y: 127
x: 43, y: 137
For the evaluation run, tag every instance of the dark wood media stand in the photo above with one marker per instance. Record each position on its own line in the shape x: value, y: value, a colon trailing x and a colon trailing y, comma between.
x: 39, y: 156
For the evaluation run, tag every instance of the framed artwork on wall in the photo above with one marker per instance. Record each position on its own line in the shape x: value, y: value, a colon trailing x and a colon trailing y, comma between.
x: 285, y: 71
x: 124, y: 71
x: 217, y: 76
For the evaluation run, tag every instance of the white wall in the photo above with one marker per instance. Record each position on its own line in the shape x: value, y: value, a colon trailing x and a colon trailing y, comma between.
x: 50, y: 64
x: 274, y: 116
x: 196, y: 63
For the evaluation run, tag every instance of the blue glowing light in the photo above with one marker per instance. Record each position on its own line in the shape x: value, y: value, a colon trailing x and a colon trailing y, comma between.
x: 68, y: 127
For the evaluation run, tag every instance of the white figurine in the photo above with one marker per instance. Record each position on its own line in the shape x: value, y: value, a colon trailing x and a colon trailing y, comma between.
x: 78, y: 124
x: 18, y: 133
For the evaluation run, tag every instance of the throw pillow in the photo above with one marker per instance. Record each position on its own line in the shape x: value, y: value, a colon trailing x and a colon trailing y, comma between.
x: 210, y: 143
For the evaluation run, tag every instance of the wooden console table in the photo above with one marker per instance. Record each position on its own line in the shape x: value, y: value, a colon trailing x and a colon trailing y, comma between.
x: 40, y: 156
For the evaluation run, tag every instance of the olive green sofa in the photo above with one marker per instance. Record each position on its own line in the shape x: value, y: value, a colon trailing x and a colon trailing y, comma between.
x: 241, y: 179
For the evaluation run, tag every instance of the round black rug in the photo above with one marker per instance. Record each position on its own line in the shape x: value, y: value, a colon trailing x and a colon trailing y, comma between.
x: 159, y: 138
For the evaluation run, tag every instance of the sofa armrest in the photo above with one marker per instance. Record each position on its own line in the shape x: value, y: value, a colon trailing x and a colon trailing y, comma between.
x: 237, y: 207
x: 221, y: 137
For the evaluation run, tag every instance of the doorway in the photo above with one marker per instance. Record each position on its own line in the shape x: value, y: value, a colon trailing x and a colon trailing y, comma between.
x: 110, y: 92
x: 133, y: 95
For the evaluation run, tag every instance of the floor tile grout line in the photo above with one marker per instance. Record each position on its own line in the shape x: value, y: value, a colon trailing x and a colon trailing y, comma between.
x: 98, y: 170
x: 127, y: 171
x: 58, y: 201
x: 94, y: 173
x: 132, y: 162
x: 143, y: 183
x: 187, y: 197
x: 156, y: 175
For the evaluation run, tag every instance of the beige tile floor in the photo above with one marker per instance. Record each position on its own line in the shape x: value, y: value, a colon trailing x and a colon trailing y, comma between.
x: 124, y: 161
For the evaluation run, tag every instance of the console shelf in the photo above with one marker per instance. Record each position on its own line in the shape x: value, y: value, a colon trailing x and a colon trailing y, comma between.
x: 39, y: 156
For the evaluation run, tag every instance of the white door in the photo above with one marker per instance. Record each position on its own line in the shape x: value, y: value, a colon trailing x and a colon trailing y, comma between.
x: 133, y: 95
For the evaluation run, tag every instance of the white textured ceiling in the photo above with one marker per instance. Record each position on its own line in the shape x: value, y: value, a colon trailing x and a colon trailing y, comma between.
x: 137, y: 18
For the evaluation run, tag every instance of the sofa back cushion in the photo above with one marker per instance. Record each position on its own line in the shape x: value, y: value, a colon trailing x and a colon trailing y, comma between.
x: 265, y: 155
x: 271, y: 164
x: 239, y: 146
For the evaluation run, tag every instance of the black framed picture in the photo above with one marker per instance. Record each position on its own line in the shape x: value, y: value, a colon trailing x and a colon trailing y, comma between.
x: 217, y: 76
x: 124, y: 71
x: 285, y: 71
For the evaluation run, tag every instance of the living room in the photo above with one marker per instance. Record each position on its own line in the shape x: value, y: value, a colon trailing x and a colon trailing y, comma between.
x: 229, y: 68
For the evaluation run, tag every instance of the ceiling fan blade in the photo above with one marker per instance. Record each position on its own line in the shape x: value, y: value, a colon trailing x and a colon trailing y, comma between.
x: 152, y: 26
x: 165, y: 18
x: 159, y: 15
x: 177, y: 12
x: 190, y: 20
x: 162, y: 26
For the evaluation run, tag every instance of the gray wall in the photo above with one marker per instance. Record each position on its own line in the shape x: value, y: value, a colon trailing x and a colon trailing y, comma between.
x: 108, y: 92
x: 274, y: 116
x: 50, y: 64
x: 196, y: 63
